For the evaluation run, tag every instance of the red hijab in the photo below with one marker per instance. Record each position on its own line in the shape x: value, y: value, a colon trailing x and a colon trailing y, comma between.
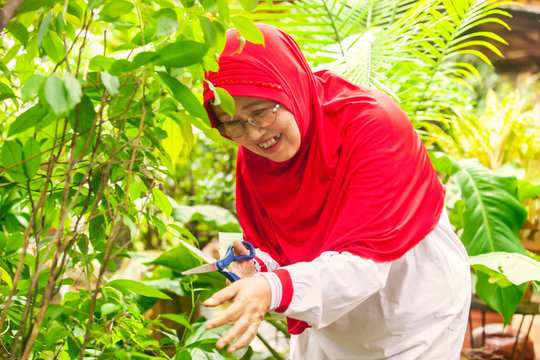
x: 361, y: 181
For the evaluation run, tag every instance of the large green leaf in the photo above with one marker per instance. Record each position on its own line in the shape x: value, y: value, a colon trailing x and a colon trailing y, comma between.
x: 507, y: 268
x: 181, y: 53
x: 214, y: 216
x: 493, y: 214
x: 137, y: 287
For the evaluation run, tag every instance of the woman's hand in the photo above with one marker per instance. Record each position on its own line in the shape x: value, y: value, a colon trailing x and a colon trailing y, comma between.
x: 242, y: 268
x: 251, y: 300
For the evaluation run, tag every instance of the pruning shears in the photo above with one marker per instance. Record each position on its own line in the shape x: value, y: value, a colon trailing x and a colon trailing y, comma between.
x: 222, y: 264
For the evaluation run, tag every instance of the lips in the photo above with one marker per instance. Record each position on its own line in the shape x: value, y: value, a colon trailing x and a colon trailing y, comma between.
x: 269, y: 143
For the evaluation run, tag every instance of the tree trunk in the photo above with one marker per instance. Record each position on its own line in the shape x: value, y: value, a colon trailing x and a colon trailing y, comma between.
x: 8, y: 12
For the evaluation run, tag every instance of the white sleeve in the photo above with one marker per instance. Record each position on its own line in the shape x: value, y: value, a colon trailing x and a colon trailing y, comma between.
x: 264, y: 262
x: 325, y: 289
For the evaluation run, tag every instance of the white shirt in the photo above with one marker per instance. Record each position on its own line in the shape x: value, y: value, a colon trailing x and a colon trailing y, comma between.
x: 415, y: 307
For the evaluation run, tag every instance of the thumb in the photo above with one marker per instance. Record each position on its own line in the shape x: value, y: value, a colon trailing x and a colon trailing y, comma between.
x: 223, y: 295
x: 239, y: 248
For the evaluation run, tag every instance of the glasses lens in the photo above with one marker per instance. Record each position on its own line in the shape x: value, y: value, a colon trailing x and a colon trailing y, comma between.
x: 263, y: 118
x: 231, y: 129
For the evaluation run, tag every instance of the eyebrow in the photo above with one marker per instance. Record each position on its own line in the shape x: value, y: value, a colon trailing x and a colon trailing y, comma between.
x: 255, y: 103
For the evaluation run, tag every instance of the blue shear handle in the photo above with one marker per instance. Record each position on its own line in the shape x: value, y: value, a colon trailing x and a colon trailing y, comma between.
x: 230, y: 257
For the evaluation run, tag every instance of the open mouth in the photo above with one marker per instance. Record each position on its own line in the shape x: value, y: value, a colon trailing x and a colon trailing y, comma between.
x: 268, y: 144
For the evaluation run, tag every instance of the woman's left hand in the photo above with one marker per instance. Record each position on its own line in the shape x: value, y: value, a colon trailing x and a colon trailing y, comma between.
x: 251, y: 300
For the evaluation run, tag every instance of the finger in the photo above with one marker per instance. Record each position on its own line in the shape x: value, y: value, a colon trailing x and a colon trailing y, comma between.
x: 222, y: 295
x: 239, y: 248
x: 246, y: 337
x: 233, y: 313
x: 233, y: 332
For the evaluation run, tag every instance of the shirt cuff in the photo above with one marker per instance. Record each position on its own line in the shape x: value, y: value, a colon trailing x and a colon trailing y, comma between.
x: 281, y: 288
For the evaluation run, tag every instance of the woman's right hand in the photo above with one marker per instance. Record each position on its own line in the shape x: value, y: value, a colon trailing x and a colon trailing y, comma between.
x: 242, y: 268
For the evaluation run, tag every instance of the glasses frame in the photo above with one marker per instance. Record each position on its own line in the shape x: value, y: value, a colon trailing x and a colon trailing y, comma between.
x: 249, y: 120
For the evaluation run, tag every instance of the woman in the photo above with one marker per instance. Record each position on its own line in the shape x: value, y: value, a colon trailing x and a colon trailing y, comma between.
x: 336, y: 190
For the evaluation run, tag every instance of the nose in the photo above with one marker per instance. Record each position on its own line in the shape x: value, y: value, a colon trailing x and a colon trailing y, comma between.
x: 254, y: 133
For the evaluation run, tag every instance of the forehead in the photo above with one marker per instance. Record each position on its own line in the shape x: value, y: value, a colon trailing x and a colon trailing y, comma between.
x: 243, y: 104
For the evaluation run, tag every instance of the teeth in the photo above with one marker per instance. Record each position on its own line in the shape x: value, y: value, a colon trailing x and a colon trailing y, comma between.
x: 270, y: 143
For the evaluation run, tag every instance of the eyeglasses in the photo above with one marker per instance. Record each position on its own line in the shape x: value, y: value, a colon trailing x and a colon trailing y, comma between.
x: 261, y: 118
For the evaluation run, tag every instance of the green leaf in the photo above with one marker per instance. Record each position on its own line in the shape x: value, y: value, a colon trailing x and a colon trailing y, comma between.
x: 504, y: 300
x: 516, y: 268
x: 184, y: 96
x: 493, y: 214
x: 161, y: 201
x: 248, y: 29
x: 19, y: 31
x: 214, y: 216
x: 100, y: 63
x: 31, y: 87
x: 178, y: 318
x: 86, y: 113
x: 32, y: 158
x: 111, y: 83
x: 178, y: 258
x: 109, y: 308
x: 74, y: 92
x: 120, y: 66
x: 165, y: 26
x: 181, y: 53
x: 225, y: 101
x: 6, y: 92
x: 24, y: 66
x: 55, y: 94
x: 53, y: 46
x: 249, y: 5
x: 12, y: 155
x: 143, y: 58
x: 174, y: 142
x: 44, y: 28
x: 113, y: 9
x: 527, y: 190
x: 137, y: 287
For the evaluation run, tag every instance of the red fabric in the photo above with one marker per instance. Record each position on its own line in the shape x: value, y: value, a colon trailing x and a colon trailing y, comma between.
x: 361, y: 182
x: 286, y: 289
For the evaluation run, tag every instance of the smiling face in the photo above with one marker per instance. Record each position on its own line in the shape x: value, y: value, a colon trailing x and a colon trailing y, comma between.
x: 278, y: 142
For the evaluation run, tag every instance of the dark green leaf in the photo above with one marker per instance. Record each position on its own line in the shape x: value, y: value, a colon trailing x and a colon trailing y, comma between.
x: 32, y: 158
x: 178, y: 258
x: 143, y: 58
x: 12, y: 155
x: 19, y: 31
x: 184, y: 96
x: 247, y: 29
x: 6, y: 92
x: 181, y: 53
x: 504, y: 300
x: 493, y: 214
x: 137, y: 288
x: 85, y: 113
x: 28, y: 6
x: 55, y: 94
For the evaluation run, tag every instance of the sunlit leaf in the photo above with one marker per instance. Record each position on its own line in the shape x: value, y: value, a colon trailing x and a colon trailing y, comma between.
x: 31, y: 86
x: 247, y: 29
x: 55, y: 94
x: 110, y: 82
x: 161, y: 201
